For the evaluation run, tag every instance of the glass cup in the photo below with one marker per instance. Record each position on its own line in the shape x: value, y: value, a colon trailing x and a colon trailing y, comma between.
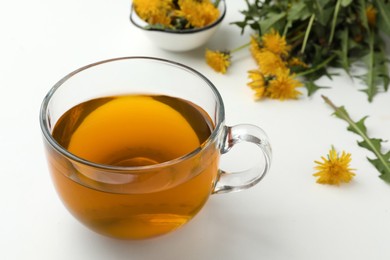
x: 145, y: 200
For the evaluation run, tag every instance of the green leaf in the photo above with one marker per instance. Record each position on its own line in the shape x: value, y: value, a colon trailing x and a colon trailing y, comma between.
x: 341, y: 112
x: 322, y: 9
x: 317, y: 6
x: 325, y: 16
x: 385, y: 177
x: 298, y: 11
x: 342, y: 54
x: 383, y: 15
x: 362, y: 14
x: 155, y: 26
x: 242, y: 25
x: 371, y: 89
x: 272, y: 19
x: 382, y: 160
x: 372, y: 145
x: 360, y: 126
x: 383, y: 67
x: 311, y: 87
x: 380, y: 167
x: 345, y: 3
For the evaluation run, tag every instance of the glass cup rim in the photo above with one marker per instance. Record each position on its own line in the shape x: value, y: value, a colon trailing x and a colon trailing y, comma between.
x: 44, y: 122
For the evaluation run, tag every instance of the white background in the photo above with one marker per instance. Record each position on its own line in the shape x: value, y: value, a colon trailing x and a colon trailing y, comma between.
x: 287, y: 216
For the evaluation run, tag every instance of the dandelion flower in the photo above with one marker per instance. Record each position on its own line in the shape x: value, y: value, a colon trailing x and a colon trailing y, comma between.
x: 257, y: 83
x: 283, y: 86
x: 371, y: 15
x: 255, y: 48
x: 198, y: 13
x: 269, y: 62
x: 154, y: 11
x: 275, y: 43
x: 334, y: 169
x: 296, y: 62
x: 218, y: 60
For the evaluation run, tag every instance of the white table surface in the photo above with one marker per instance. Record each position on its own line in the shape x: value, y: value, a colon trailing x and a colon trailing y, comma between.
x: 287, y: 216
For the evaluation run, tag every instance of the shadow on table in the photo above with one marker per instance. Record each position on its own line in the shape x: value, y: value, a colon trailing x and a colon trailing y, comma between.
x: 222, y: 230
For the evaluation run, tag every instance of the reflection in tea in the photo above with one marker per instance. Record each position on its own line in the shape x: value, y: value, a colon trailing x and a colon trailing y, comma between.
x: 135, y: 130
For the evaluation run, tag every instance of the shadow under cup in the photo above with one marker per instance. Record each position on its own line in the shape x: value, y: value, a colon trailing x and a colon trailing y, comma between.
x: 144, y: 200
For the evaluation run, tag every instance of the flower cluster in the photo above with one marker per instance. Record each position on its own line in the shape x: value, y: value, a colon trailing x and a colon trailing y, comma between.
x: 328, y: 34
x: 309, y: 37
x: 177, y: 14
x: 273, y: 77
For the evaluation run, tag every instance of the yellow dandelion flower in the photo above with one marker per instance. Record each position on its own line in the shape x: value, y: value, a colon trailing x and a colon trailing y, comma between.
x: 198, y: 13
x: 275, y: 43
x: 283, y: 86
x: 297, y: 62
x: 334, y: 169
x: 218, y: 60
x: 154, y: 11
x: 269, y: 63
x: 255, y: 48
x: 257, y: 84
x: 371, y: 15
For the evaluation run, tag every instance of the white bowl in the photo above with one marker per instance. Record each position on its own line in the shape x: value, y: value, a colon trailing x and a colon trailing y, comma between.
x: 179, y: 40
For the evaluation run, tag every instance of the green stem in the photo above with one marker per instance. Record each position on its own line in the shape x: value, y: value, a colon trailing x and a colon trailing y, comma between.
x: 353, y: 125
x: 216, y: 3
x: 307, y: 33
x: 319, y: 66
x: 285, y: 30
x: 240, y: 47
x: 296, y: 37
x: 371, y: 68
x: 334, y: 21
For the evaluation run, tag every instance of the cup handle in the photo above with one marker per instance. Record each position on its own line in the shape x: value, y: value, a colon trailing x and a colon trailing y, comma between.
x: 236, y: 181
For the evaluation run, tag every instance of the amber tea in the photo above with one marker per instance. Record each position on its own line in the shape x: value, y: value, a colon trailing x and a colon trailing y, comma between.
x: 136, y: 130
x: 136, y: 166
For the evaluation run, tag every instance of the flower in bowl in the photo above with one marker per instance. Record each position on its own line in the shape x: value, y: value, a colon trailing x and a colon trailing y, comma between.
x: 178, y: 25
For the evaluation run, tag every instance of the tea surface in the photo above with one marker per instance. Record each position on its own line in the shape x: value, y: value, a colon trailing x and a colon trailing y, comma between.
x: 132, y: 130
x: 135, y: 130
